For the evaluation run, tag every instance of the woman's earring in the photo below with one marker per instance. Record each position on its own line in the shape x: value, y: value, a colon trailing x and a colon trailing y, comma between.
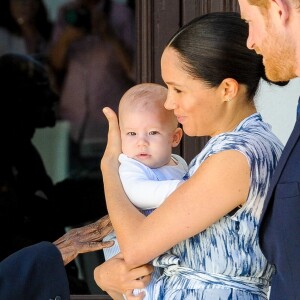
x: 228, y: 99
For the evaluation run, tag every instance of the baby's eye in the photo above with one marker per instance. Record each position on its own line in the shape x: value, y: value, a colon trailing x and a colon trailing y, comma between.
x: 153, y: 132
x: 131, y: 133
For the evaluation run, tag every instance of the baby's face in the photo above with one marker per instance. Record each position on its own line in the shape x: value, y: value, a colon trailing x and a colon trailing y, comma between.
x: 147, y: 137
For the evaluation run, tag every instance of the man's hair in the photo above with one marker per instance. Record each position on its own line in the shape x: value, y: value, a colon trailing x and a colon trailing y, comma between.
x: 263, y: 4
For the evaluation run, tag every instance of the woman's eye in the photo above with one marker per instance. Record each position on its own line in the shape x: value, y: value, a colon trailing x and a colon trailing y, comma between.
x: 177, y: 91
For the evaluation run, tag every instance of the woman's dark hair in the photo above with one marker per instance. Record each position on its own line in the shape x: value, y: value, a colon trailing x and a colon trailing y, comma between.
x: 213, y: 47
x: 41, y: 21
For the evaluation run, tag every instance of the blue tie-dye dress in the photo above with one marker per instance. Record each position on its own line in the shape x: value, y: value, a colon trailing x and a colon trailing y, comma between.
x: 225, y: 261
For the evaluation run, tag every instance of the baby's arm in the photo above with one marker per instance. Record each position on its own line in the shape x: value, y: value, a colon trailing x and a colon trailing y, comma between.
x: 142, y: 187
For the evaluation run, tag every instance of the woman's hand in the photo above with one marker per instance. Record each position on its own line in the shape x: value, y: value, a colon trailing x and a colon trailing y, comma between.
x: 113, y: 147
x: 84, y: 239
x: 114, y: 277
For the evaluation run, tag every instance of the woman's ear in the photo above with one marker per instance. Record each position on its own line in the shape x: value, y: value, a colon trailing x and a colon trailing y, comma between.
x: 229, y: 88
x: 177, y: 135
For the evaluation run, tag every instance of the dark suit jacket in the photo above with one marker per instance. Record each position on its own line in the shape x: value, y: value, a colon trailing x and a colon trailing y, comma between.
x: 280, y: 225
x: 34, y: 273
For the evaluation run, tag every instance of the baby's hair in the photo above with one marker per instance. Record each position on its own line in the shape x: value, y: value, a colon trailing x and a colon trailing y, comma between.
x: 143, y: 94
x: 146, y: 96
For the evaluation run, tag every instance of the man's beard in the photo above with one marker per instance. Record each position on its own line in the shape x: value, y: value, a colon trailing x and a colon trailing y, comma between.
x: 279, y: 56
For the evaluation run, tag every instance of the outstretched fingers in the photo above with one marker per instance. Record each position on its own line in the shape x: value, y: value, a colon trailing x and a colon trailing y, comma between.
x: 84, y: 239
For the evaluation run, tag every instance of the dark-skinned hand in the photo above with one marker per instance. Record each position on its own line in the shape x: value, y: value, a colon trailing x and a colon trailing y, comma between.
x: 84, y: 239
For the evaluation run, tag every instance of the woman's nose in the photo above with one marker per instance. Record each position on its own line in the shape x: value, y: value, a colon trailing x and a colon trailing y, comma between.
x: 169, y: 103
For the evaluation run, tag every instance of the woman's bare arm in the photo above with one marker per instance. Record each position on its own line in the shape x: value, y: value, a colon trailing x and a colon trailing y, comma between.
x: 219, y: 185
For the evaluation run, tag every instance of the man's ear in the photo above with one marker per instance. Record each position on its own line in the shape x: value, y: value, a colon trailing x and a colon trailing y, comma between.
x: 177, y: 135
x: 281, y: 9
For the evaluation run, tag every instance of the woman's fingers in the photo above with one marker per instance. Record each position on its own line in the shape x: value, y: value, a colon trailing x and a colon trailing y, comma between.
x: 114, y: 139
x: 114, y: 275
x: 113, y: 146
x: 142, y: 275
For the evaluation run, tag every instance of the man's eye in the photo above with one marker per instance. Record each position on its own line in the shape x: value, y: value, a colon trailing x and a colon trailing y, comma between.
x: 177, y: 91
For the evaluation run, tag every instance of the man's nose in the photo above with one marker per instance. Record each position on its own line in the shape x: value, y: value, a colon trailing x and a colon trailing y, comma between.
x: 250, y: 41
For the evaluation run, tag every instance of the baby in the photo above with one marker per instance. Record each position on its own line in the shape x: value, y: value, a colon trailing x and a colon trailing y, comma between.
x: 149, y: 171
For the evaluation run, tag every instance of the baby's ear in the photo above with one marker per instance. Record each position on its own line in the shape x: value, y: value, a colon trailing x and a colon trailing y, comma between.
x: 177, y: 135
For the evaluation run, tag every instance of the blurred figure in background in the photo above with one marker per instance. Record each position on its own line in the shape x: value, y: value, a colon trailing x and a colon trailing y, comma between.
x: 94, y: 68
x: 122, y: 19
x: 32, y: 208
x: 24, y: 27
x: 79, y: 19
